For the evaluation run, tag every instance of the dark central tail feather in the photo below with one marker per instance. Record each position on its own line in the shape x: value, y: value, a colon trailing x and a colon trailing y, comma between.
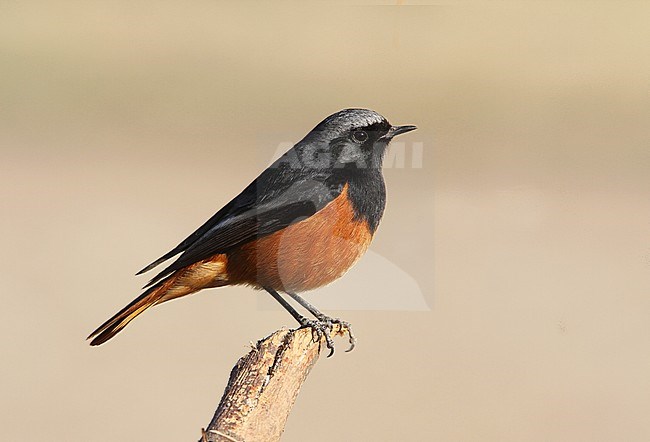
x: 120, y: 320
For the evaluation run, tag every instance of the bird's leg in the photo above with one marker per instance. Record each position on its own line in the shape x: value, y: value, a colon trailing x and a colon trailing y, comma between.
x: 298, y: 317
x: 319, y: 328
x: 326, y: 319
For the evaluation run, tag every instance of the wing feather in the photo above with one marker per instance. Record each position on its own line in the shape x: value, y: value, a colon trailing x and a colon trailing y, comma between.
x: 239, y: 230
x: 275, y: 200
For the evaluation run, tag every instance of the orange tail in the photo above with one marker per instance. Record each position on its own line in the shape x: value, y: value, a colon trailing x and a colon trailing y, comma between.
x: 208, y: 273
x: 114, y: 325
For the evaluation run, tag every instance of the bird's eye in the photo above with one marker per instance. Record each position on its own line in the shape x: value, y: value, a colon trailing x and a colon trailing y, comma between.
x: 360, y: 136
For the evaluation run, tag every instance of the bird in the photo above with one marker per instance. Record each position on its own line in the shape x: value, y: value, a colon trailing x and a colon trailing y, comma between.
x: 301, y: 224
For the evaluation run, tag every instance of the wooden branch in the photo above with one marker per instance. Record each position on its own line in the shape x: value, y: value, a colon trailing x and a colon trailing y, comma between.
x: 263, y: 386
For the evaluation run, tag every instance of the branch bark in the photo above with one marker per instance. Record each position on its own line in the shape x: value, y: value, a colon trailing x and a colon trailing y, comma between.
x: 263, y: 387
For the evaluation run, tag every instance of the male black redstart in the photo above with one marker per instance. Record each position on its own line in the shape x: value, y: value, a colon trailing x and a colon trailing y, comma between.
x: 300, y: 225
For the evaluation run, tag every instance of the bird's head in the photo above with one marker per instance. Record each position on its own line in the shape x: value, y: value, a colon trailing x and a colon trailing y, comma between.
x: 351, y: 138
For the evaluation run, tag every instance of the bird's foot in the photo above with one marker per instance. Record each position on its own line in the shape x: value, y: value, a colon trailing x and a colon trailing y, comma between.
x: 344, y: 326
x: 323, y: 326
x: 319, y: 329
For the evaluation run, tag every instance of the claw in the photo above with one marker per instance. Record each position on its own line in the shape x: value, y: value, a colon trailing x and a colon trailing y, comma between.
x: 323, y: 326
x: 344, y: 325
x: 329, y: 341
x: 320, y: 329
x: 352, y: 340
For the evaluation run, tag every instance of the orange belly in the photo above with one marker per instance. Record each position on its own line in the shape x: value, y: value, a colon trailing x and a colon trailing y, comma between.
x: 305, y: 255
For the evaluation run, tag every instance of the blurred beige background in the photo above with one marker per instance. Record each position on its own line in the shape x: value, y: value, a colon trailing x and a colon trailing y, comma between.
x: 124, y: 125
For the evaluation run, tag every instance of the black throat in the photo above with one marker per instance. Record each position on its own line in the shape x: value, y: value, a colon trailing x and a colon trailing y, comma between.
x: 366, y: 191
